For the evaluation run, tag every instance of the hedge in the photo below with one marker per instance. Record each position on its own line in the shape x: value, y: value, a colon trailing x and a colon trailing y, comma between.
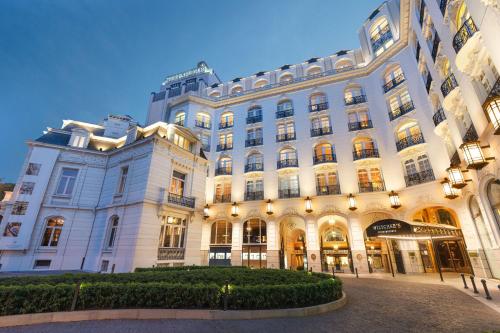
x: 34, y: 299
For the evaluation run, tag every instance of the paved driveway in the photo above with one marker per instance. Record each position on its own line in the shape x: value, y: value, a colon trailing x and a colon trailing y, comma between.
x: 374, y: 305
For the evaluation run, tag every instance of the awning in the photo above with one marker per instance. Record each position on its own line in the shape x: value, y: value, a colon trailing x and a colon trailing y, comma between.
x: 392, y: 228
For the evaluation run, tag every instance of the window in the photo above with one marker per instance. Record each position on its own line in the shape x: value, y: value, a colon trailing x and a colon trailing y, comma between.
x: 203, y: 120
x: 411, y: 130
x: 221, y: 233
x: 177, y: 183
x: 286, y: 78
x: 182, y: 142
x: 313, y: 71
x: 27, y: 188
x: 327, y: 183
x: 254, y: 113
x: 113, y: 229
x: 285, y: 105
x: 254, y: 133
x: 205, y: 141
x: 41, y: 264
x: 78, y: 141
x: 104, y: 266
x: 380, y: 36
x: 173, y: 231
x: 226, y: 140
x: 175, y: 90
x: 370, y: 180
x: 66, y: 181
x: 33, y: 169
x: 19, y: 208
x: 334, y: 235
x: 289, y: 186
x: 399, y: 101
x: 286, y: 128
x: 52, y: 232
x: 317, y: 99
x: 393, y: 74
x: 236, y: 90
x: 254, y: 189
x: 254, y: 232
x: 363, y: 144
x: 12, y: 229
x: 260, y: 84
x: 191, y: 85
x: 123, y: 180
x: 287, y: 154
x: 320, y: 122
x: 180, y: 118
x: 222, y: 192
x: 226, y: 119
x: 324, y: 149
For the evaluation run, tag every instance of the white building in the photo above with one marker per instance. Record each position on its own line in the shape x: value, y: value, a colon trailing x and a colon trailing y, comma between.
x: 303, y: 159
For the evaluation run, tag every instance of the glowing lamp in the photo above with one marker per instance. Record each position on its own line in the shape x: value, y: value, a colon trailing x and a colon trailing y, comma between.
x: 309, y: 205
x: 205, y: 212
x: 234, y: 209
x: 394, y: 200
x: 456, y: 177
x: 449, y: 191
x: 493, y: 111
x: 351, y: 199
x: 473, y: 155
x: 269, y: 207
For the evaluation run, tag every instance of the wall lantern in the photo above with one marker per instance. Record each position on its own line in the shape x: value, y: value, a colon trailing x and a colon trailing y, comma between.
x: 269, y: 207
x: 394, y: 199
x: 352, y: 202
x: 234, y: 209
x: 205, y: 212
x: 473, y: 154
x: 449, y: 191
x: 309, y: 205
x: 456, y: 176
x: 493, y: 111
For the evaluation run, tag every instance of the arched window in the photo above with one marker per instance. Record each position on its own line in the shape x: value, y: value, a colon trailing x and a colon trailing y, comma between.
x: 285, y: 105
x: 254, y: 114
x: 318, y: 98
x: 288, y: 154
x: 323, y: 150
x: 260, y: 84
x: 393, y: 73
x: 343, y: 65
x: 380, y: 36
x: 222, y: 232
x: 112, y: 230
x: 52, y: 232
x: 493, y: 191
x: 334, y: 235
x: 315, y: 70
x: 370, y: 180
x: 354, y: 95
x: 236, y: 90
x: 225, y: 162
x: 203, y: 120
x: 409, y: 132
x: 363, y: 144
x: 254, y: 232
x: 180, y: 118
x: 226, y: 120
x: 215, y: 94
x: 286, y: 78
x: 255, y: 159
x: 172, y: 232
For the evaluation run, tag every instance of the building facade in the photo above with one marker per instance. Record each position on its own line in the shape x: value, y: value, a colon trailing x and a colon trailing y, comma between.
x: 379, y: 159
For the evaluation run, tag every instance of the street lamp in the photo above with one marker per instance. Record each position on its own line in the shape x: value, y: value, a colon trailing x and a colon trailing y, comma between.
x: 309, y: 208
x: 352, y: 202
x: 449, y: 191
x: 234, y: 210
x: 205, y: 212
x: 394, y: 200
x: 269, y: 207
x: 473, y: 155
x: 456, y: 177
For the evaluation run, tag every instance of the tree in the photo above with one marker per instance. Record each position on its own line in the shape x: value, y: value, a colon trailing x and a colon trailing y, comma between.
x: 5, y: 187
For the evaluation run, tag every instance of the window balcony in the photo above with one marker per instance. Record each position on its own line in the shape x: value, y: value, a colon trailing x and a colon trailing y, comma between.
x: 227, y: 124
x: 365, y: 187
x: 288, y: 163
x: 224, y: 146
x: 254, y: 195
x: 401, y: 110
x: 466, y: 31
x: 318, y: 107
x: 449, y: 85
x: 360, y: 125
x: 191, y: 87
x: 174, y: 92
x: 284, y: 113
x: 325, y: 158
x: 254, y: 119
x: 285, y: 137
x: 321, y: 131
x: 439, y: 117
x: 181, y: 200
x: 252, y: 167
x: 224, y: 171
x: 254, y: 142
x: 409, y: 141
x: 166, y: 253
x: 202, y: 124
x: 381, y: 38
x: 365, y: 153
x: 327, y: 189
x: 222, y: 198
x: 394, y: 83
x: 353, y: 100
x: 289, y: 193
x: 419, y: 177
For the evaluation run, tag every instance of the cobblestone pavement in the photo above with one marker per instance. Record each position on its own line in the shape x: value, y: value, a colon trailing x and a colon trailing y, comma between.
x: 374, y: 305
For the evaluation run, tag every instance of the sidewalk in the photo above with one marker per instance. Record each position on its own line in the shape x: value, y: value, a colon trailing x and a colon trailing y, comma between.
x: 451, y: 279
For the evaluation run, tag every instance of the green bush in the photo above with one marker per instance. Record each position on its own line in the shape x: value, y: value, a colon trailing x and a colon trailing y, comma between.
x: 34, y: 299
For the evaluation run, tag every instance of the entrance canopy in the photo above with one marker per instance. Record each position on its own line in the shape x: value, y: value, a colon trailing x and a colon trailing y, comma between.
x: 392, y: 228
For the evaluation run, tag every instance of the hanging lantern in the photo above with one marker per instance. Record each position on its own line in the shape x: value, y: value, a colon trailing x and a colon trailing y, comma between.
x: 352, y: 202
x: 269, y: 207
x: 394, y: 200
x: 456, y: 176
x: 234, y: 210
x: 473, y: 155
x: 309, y: 205
x: 205, y: 212
x: 493, y: 111
x: 449, y: 191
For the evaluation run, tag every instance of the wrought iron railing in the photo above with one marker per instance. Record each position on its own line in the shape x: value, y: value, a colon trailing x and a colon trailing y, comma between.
x: 254, y: 195
x: 401, y: 110
x: 471, y: 134
x: 222, y: 198
x: 318, y: 107
x: 466, y: 31
x: 381, y: 38
x: 365, y: 153
x: 448, y: 85
x: 394, y: 82
x: 353, y: 100
x: 284, y: 113
x: 409, y: 141
x: 223, y: 171
x: 287, y: 163
x: 327, y: 189
x: 289, y: 193
x: 359, y: 125
x: 165, y: 253
x: 250, y: 167
x: 202, y: 124
x: 224, y: 146
x: 419, y: 177
x: 226, y: 124
x: 324, y: 158
x: 371, y: 187
x: 439, y: 117
x: 181, y: 200
x: 285, y: 137
x: 254, y: 142
x: 254, y: 119
x: 321, y: 131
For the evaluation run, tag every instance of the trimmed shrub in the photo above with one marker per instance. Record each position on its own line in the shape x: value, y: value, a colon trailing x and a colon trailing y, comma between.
x: 34, y: 299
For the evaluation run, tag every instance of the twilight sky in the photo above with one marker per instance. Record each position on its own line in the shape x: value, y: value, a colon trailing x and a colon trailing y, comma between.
x: 68, y: 59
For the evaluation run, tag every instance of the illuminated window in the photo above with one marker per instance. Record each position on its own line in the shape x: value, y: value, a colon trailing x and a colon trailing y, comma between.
x: 52, y: 232
x: 172, y: 232
x: 67, y: 181
x: 221, y: 233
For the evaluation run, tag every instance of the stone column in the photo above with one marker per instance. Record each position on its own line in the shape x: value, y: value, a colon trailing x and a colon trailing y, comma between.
x: 236, y: 243
x: 273, y: 260
x: 357, y: 243
x: 313, y: 251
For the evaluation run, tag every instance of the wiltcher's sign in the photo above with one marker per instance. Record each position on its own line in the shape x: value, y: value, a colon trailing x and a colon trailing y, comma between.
x: 202, y: 68
x: 388, y: 227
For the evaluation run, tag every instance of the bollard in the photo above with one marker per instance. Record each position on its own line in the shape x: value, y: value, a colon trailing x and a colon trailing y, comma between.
x: 485, y: 287
x: 226, y: 293
x: 357, y: 276
x: 333, y: 274
x: 465, y: 282
x: 473, y: 285
x: 75, y: 296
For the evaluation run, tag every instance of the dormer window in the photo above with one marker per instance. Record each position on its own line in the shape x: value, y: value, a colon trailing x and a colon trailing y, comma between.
x: 181, y: 141
x: 78, y: 138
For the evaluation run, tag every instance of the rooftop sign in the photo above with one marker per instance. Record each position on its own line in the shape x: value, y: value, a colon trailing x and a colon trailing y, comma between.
x: 202, y: 68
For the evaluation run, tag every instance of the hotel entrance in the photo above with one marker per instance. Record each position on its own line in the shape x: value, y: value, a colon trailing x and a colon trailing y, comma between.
x: 293, y: 245
x: 254, y: 250
x: 335, y: 250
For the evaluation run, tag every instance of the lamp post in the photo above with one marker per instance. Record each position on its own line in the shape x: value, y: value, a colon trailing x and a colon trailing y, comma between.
x: 352, y: 202
x: 394, y: 200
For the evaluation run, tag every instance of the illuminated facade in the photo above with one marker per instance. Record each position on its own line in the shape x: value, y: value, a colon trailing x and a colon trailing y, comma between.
x: 379, y: 159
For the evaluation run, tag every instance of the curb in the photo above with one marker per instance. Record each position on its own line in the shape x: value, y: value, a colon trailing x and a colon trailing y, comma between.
x: 144, y: 314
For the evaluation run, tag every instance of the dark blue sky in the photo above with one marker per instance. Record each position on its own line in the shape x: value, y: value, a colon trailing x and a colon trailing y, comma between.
x: 68, y: 59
